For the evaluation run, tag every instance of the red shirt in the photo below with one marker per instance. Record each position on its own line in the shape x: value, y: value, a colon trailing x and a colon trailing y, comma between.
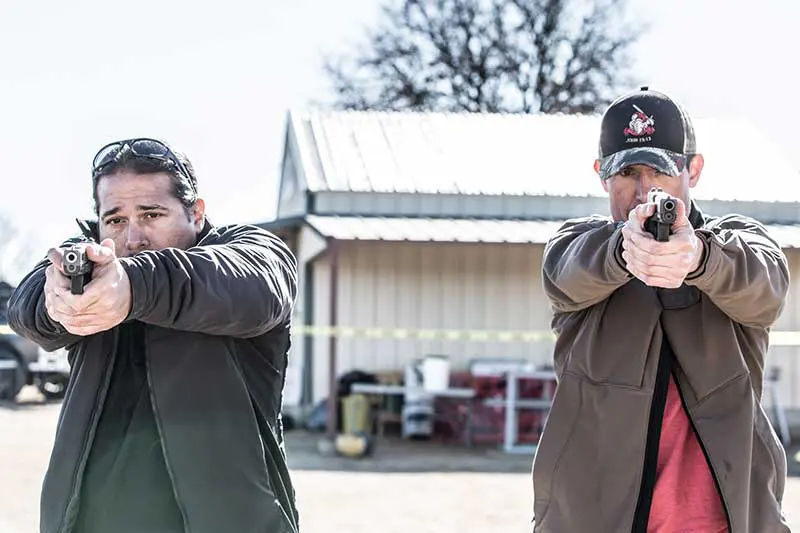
x: 685, y: 498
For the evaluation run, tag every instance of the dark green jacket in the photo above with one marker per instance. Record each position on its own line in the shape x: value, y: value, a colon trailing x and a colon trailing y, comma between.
x: 217, y: 336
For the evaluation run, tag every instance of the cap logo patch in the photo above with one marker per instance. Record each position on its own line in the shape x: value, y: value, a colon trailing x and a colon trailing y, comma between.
x: 640, y: 127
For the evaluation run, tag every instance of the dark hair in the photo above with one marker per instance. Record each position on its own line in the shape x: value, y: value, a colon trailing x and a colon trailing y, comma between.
x: 184, y: 188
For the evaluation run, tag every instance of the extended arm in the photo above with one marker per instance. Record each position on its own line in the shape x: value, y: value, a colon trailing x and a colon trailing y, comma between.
x: 583, y: 264
x: 243, y: 285
x: 743, y: 271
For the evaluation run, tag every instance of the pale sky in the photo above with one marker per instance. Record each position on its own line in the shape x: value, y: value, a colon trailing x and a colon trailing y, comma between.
x: 216, y: 80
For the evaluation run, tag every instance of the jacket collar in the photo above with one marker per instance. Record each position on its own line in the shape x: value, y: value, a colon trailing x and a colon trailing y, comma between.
x: 208, y: 229
x: 696, y: 216
x: 89, y: 229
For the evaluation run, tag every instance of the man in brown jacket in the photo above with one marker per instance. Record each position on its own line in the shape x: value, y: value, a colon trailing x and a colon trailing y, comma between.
x: 657, y: 424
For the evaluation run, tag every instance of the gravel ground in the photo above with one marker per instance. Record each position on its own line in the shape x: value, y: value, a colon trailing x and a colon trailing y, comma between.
x: 405, y: 487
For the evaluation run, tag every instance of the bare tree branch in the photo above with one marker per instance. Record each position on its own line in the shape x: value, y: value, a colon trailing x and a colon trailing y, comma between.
x: 489, y: 55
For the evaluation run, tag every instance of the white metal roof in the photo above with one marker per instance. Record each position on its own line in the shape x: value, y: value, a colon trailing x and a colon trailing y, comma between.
x: 467, y: 230
x: 552, y: 155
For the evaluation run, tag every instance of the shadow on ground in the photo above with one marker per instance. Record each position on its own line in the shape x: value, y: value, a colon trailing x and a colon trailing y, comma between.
x: 391, y: 454
x: 396, y: 455
x: 27, y: 403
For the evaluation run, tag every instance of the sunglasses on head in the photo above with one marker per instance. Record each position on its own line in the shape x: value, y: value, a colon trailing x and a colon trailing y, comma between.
x: 145, y: 148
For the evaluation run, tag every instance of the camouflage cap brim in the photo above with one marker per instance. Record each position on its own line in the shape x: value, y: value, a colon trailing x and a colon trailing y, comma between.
x: 664, y: 161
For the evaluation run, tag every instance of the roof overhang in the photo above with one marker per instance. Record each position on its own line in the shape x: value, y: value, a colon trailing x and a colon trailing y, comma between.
x: 442, y: 230
x: 453, y: 230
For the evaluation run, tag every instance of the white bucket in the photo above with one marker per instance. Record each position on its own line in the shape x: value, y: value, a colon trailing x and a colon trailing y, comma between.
x: 436, y: 372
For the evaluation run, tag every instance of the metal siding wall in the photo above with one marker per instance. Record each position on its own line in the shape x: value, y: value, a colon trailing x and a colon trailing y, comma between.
x: 466, y: 287
x: 294, y: 371
x: 785, y: 358
x: 309, y: 244
x: 431, y: 286
x: 320, y: 343
x: 293, y: 388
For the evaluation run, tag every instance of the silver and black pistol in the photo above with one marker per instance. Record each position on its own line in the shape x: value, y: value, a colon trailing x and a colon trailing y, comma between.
x: 78, y: 267
x: 659, y: 224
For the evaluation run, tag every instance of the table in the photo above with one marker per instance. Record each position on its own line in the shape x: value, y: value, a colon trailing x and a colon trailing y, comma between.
x: 369, y: 388
x: 512, y: 404
x: 455, y: 392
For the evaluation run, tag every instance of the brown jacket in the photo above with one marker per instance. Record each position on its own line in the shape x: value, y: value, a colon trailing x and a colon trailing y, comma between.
x: 589, y: 472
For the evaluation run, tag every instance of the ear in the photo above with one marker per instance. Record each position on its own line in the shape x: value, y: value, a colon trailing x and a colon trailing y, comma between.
x: 603, y: 182
x: 695, y: 169
x: 199, y: 214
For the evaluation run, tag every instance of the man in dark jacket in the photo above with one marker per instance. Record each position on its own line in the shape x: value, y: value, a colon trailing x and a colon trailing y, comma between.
x: 657, y: 424
x: 178, y: 346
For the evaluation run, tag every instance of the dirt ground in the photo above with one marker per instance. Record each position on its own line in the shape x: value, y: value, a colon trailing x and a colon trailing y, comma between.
x: 405, y: 487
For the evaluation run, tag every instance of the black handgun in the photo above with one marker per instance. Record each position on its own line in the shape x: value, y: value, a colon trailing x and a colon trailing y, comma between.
x: 659, y: 224
x: 78, y: 267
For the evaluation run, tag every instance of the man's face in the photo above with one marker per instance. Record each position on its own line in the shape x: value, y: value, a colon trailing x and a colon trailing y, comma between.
x: 140, y: 212
x: 630, y: 186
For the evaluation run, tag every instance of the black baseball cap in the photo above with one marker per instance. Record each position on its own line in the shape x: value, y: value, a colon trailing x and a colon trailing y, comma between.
x: 645, y: 128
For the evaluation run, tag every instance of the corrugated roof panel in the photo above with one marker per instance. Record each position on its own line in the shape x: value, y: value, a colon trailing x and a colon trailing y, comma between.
x: 397, y: 143
x: 418, y: 155
x: 377, y: 155
x: 523, y: 154
x: 469, y: 230
x: 335, y: 133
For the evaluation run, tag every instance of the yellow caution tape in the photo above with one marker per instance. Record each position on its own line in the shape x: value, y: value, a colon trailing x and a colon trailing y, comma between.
x: 777, y: 338
x: 424, y: 334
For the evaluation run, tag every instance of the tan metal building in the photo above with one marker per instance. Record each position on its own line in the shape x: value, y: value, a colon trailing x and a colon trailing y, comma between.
x: 422, y: 233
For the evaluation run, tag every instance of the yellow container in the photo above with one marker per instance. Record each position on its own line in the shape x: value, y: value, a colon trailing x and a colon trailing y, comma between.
x: 356, y: 415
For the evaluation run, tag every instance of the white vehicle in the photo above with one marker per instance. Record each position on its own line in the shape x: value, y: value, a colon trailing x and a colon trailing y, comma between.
x: 23, y: 362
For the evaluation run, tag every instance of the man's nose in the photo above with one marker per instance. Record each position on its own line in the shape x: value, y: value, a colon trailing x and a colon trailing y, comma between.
x: 137, y: 239
x: 645, y: 182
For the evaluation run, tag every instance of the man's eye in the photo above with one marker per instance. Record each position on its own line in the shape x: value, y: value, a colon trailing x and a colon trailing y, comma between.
x: 114, y: 221
x: 627, y: 172
x: 152, y: 215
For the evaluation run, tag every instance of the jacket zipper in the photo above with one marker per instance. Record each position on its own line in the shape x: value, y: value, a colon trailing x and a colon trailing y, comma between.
x: 141, y: 332
x: 705, y: 454
x: 650, y: 468
x: 100, y: 398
